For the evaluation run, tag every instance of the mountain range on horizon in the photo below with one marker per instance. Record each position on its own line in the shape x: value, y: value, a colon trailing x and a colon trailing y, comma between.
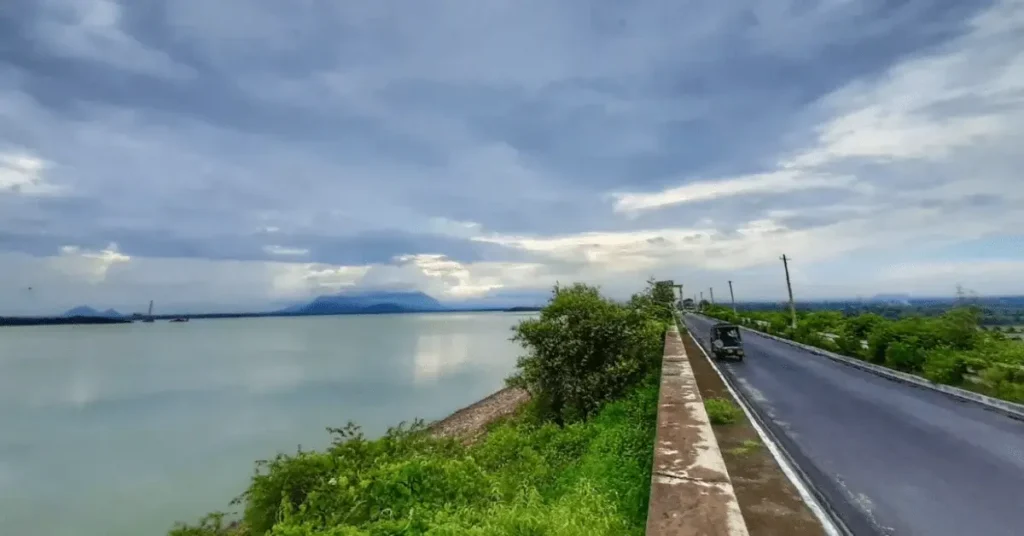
x: 371, y: 302
x: 374, y: 302
x: 84, y: 310
x: 367, y: 302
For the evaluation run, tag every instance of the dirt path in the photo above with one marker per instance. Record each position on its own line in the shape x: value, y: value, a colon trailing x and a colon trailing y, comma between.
x: 770, y: 503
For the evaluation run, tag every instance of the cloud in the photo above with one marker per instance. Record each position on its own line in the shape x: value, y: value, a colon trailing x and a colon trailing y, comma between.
x: 285, y: 251
x: 91, y: 30
x: 23, y: 174
x: 245, y: 153
x: 776, y: 182
x: 88, y: 266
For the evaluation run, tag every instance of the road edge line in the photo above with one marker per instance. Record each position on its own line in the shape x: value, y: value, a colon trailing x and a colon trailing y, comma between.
x: 828, y: 521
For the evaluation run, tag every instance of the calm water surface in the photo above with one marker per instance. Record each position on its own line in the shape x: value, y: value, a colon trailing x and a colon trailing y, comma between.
x: 124, y: 429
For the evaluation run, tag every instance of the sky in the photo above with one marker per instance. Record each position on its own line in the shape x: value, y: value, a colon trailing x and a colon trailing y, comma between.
x: 238, y: 155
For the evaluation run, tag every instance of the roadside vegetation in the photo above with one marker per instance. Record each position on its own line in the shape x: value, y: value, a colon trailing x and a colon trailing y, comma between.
x: 575, y: 461
x: 722, y: 411
x: 949, y: 348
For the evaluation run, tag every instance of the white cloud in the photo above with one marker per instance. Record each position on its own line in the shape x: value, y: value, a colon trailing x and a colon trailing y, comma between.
x: 285, y: 251
x: 108, y: 278
x: 775, y: 182
x: 920, y: 149
x: 22, y: 173
x: 88, y: 266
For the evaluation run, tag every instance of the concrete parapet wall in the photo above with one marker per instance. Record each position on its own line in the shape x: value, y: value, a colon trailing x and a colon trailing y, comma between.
x: 691, y: 493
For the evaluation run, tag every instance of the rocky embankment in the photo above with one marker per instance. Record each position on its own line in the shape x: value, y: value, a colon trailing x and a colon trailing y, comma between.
x: 470, y: 422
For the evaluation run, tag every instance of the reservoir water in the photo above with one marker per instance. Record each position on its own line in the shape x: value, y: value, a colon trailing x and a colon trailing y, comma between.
x: 121, y: 430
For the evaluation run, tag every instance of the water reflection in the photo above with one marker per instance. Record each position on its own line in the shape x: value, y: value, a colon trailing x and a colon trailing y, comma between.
x: 440, y: 354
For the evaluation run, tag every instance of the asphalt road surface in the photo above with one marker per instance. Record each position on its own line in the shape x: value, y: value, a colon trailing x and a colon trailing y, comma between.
x: 889, y: 457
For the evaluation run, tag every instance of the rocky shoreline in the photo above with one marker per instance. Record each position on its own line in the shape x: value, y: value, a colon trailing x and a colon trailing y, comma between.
x: 470, y: 422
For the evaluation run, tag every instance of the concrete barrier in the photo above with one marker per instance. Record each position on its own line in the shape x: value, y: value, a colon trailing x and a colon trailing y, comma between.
x: 691, y: 493
x: 1010, y: 409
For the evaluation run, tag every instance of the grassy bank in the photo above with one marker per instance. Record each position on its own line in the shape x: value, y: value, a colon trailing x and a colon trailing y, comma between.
x: 575, y: 461
x: 951, y: 348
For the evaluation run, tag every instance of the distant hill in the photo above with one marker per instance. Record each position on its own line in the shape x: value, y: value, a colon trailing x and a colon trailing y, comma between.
x: 367, y: 302
x: 86, y: 311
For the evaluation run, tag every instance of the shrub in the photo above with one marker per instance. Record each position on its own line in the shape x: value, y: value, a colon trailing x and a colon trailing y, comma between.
x: 861, y: 326
x: 945, y: 366
x: 1005, y: 381
x: 722, y: 411
x: 849, y: 345
x: 580, y: 479
x: 212, y: 524
x: 905, y: 356
x: 878, y: 343
x: 585, y: 350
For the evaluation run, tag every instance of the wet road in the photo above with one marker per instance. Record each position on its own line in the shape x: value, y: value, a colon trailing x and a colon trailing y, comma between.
x: 891, y: 458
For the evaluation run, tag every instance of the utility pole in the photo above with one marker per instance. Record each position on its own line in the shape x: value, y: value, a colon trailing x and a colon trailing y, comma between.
x: 712, y: 289
x: 789, y: 286
x: 732, y: 297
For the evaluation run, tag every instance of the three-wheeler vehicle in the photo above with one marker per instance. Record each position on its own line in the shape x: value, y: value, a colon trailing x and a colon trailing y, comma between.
x: 726, y: 341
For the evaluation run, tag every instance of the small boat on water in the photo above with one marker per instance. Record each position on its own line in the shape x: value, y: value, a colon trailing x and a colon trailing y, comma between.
x: 180, y: 319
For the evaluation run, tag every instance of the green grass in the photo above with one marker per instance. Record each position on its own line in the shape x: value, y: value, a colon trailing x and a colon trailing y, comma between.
x: 722, y: 411
x: 524, y: 478
x: 745, y: 448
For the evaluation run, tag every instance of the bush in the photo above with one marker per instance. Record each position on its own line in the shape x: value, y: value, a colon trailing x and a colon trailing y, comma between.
x: 878, y: 343
x: 905, y: 356
x: 945, y: 366
x: 585, y: 350
x: 849, y: 345
x: 581, y: 479
x: 1005, y: 381
x: 722, y: 411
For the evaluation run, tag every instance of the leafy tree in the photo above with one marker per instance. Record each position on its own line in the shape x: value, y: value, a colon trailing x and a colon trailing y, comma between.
x: 656, y: 301
x: 585, y: 350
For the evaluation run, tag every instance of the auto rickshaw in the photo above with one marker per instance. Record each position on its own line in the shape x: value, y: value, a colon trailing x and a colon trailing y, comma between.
x: 726, y: 341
